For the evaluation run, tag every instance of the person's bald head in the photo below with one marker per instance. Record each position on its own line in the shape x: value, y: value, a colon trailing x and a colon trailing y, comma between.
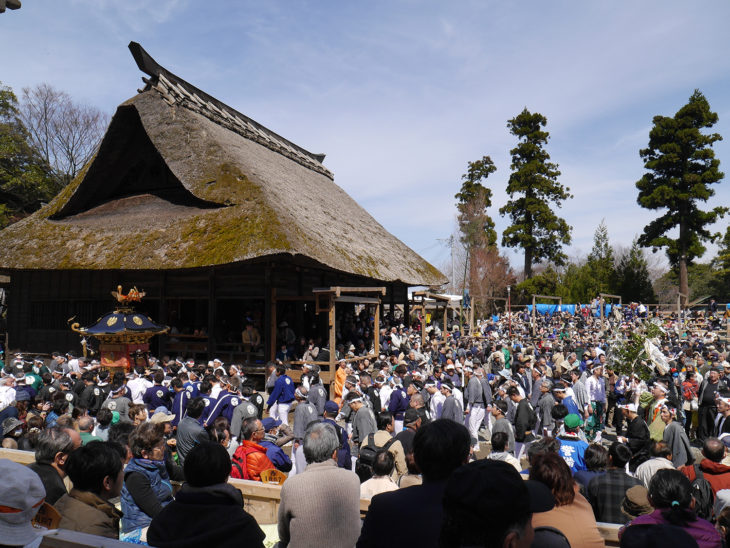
x: 86, y: 424
x: 713, y: 449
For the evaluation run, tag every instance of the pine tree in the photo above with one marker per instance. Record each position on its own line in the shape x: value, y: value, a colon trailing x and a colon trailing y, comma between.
x: 681, y: 167
x: 535, y: 193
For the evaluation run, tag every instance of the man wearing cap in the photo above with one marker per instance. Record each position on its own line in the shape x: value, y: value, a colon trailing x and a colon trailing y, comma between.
x: 344, y: 455
x: 21, y: 497
x: 572, y: 447
x: 281, y: 396
x: 707, y: 404
x: 275, y: 453
x: 412, y: 422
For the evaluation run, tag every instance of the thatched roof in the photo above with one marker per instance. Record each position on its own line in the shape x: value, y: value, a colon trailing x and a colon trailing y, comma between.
x: 181, y: 180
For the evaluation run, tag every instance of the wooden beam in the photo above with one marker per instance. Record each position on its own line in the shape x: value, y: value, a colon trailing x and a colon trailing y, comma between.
x: 357, y: 300
x: 376, y: 330
x: 338, y: 290
x: 272, y: 325
x: 332, y: 343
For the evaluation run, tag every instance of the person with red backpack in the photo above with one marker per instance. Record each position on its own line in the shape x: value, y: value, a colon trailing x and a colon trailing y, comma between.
x: 250, y: 458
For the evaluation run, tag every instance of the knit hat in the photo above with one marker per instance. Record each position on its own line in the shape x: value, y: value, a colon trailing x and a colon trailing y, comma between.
x: 21, y: 497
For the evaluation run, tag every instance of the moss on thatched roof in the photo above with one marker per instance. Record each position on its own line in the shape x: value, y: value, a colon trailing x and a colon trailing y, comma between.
x: 173, y: 186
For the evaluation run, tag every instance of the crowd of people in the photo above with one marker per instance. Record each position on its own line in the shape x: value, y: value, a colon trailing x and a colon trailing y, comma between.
x: 499, y: 437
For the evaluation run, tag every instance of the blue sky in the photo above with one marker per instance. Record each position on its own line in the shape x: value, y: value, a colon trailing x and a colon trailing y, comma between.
x: 402, y: 94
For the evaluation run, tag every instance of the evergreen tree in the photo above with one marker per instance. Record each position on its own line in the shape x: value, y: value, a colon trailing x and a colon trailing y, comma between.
x: 632, y: 276
x: 25, y: 179
x: 535, y: 193
x: 681, y: 167
x: 475, y: 224
x: 601, y: 262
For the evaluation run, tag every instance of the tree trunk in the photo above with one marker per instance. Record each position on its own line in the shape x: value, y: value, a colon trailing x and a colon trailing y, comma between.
x: 683, y: 278
x: 528, y: 263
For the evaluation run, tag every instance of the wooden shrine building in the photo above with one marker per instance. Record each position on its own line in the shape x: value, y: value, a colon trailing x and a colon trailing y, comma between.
x: 220, y: 220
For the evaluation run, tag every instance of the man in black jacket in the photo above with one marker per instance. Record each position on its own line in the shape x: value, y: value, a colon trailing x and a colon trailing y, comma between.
x: 637, y: 435
x: 525, y: 420
x: 439, y: 448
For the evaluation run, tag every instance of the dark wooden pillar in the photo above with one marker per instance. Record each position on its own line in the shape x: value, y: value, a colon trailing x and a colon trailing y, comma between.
x: 212, y: 309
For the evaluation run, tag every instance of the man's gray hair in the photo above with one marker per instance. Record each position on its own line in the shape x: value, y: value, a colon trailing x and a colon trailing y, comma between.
x: 320, y: 441
x: 547, y: 383
x: 52, y: 441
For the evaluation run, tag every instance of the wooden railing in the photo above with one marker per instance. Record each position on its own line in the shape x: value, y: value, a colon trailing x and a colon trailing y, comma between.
x: 261, y: 500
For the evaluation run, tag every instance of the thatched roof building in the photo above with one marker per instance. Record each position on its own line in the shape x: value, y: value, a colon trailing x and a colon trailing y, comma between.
x: 183, y: 182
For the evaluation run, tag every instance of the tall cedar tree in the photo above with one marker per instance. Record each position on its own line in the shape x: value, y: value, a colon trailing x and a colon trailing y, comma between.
x: 535, y: 193
x: 681, y: 165
x: 475, y: 224
x: 601, y: 261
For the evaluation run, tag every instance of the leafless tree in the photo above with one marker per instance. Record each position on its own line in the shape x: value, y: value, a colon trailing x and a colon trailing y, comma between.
x: 64, y: 132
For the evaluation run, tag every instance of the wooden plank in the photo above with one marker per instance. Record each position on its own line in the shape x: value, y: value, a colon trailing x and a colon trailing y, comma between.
x: 338, y: 290
x: 15, y: 455
x: 63, y: 538
x: 272, y: 325
x: 376, y: 330
x: 357, y: 300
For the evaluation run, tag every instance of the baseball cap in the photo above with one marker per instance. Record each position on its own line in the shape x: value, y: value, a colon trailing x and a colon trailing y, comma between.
x: 160, y: 417
x: 411, y: 416
x: 270, y: 423
x: 331, y: 407
x: 20, y: 499
x: 572, y: 421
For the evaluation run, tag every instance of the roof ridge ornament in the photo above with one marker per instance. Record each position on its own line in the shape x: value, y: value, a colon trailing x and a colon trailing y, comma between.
x: 175, y: 90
